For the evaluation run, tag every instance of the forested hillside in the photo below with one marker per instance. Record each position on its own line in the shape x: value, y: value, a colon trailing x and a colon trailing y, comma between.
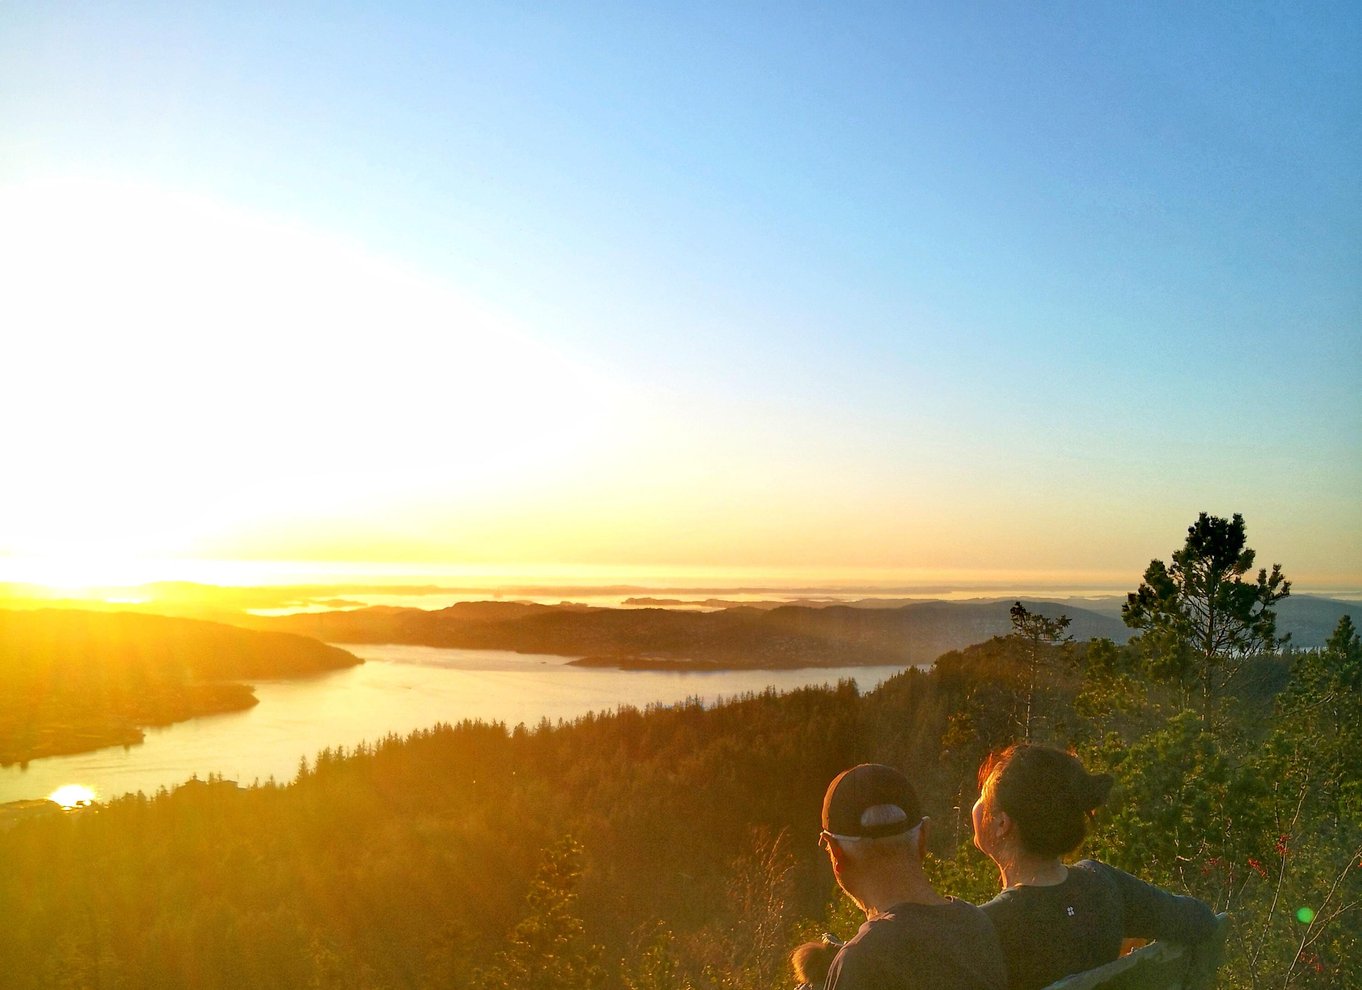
x: 679, y: 843
x: 72, y: 681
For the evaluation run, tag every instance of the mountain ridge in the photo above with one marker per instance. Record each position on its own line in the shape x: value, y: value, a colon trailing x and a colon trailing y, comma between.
x: 743, y: 636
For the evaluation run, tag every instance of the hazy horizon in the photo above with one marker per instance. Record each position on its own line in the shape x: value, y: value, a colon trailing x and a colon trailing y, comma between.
x: 397, y: 585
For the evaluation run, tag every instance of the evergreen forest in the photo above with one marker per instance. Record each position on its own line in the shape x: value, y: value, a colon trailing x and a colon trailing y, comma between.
x: 674, y: 848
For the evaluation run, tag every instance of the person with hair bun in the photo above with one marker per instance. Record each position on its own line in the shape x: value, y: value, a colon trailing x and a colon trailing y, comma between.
x: 1053, y: 920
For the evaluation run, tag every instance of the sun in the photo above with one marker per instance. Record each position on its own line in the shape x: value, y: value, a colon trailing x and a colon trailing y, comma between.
x: 71, y: 796
x: 190, y: 379
x: 89, y: 575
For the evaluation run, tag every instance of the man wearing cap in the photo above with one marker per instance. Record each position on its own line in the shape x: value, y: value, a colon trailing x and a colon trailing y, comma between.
x: 876, y: 835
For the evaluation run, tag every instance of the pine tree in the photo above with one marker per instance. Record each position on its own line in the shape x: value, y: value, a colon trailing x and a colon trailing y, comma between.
x: 1038, y: 635
x: 1198, y: 616
x: 548, y: 948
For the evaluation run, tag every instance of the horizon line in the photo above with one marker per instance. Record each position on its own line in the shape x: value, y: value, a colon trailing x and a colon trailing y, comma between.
x: 58, y: 574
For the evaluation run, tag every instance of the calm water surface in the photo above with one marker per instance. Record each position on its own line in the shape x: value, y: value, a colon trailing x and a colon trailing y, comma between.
x: 397, y: 690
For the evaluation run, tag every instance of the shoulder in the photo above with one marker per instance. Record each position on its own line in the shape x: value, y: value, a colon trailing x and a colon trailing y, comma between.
x: 866, y: 959
x: 947, y: 944
x: 1003, y: 903
x: 1088, y: 883
x: 1092, y: 867
x: 1015, y: 902
x: 1097, y: 877
x: 1126, y: 885
x: 957, y: 908
x: 955, y: 916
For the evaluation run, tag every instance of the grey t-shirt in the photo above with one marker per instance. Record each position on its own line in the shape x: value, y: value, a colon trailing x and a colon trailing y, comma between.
x: 1051, y: 932
x: 948, y: 946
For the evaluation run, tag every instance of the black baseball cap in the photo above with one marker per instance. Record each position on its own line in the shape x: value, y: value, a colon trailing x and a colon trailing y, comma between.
x: 871, y: 785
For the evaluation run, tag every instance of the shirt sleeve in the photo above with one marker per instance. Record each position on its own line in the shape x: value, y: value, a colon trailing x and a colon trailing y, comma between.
x: 849, y: 971
x: 1153, y: 913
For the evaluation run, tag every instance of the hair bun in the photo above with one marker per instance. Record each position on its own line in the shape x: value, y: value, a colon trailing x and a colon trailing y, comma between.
x: 1094, y: 789
x: 1048, y: 793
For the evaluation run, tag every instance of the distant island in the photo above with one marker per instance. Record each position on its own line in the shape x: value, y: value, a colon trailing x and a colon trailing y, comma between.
x: 74, y: 681
x: 740, y: 636
x: 645, y: 663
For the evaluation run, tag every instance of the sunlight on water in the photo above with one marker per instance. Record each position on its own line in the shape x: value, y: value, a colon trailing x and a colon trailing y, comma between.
x: 72, y: 796
x: 398, y: 690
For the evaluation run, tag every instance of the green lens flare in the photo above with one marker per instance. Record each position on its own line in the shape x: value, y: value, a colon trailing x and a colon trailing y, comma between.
x: 1305, y: 915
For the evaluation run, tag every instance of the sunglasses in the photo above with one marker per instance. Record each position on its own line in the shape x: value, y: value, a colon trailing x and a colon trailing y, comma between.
x: 825, y: 837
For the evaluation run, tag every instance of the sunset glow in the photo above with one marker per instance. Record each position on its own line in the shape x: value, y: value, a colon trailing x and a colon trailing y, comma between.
x: 72, y: 796
x: 507, y: 334
x: 472, y: 474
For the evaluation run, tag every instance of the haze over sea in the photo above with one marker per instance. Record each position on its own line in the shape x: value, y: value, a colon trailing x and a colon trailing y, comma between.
x: 276, y: 587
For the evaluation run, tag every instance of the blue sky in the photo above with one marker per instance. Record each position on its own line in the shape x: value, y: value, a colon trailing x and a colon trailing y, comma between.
x: 879, y: 288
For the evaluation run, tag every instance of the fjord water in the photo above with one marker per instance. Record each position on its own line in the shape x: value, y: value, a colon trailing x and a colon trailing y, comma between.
x: 397, y: 690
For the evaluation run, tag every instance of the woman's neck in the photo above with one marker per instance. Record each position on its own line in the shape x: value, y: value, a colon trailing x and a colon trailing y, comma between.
x: 1033, y: 871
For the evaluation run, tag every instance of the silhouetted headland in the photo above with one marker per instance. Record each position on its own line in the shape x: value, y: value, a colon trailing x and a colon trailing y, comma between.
x: 736, y: 638
x: 739, y: 637
x: 75, y: 681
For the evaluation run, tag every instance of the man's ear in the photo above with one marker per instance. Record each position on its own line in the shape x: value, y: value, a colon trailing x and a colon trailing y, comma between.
x: 923, y: 827
x: 838, y: 855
